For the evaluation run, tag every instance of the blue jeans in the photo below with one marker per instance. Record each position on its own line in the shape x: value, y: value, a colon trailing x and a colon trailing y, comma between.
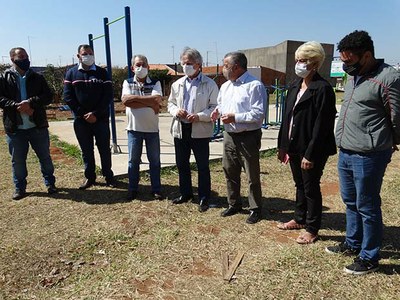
x: 361, y: 176
x: 18, y: 146
x: 135, y: 146
x: 86, y: 133
x: 201, y: 151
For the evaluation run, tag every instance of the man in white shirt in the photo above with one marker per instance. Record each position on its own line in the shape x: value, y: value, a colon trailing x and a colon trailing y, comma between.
x: 192, y: 99
x: 142, y: 97
x: 241, y: 106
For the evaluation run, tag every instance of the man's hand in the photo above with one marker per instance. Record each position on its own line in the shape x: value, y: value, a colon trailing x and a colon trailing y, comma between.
x: 228, y: 118
x: 24, y: 107
x: 90, y: 118
x: 283, y: 157
x: 214, y: 115
x: 182, y: 113
x: 192, y: 118
x: 306, y: 164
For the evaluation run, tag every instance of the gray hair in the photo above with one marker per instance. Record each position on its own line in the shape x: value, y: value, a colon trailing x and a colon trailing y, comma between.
x: 237, y: 58
x: 140, y: 56
x: 192, y: 54
x: 312, y: 51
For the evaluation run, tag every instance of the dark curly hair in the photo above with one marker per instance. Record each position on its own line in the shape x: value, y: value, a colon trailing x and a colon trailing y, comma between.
x: 358, y: 42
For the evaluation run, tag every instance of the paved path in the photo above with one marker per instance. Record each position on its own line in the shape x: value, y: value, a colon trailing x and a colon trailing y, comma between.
x: 64, y: 130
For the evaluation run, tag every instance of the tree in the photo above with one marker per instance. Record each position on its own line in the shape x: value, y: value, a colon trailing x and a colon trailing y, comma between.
x: 55, y: 79
x: 118, y: 77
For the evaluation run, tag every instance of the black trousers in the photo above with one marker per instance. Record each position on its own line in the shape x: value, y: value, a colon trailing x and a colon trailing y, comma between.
x: 308, y: 209
x: 201, y: 152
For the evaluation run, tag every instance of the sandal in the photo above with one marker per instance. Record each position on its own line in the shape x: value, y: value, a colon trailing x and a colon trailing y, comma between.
x: 291, y: 225
x: 307, y: 238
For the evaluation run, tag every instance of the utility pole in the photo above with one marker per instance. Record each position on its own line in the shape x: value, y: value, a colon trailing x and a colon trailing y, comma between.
x: 29, y: 47
x: 173, y: 54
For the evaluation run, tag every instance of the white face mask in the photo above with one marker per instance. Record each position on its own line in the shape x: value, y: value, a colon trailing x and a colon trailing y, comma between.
x: 188, y: 70
x: 301, y: 70
x: 87, y: 60
x: 141, y: 72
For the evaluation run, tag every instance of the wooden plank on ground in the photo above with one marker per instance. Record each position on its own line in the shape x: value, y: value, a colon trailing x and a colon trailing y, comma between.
x: 234, y: 265
x: 225, y: 264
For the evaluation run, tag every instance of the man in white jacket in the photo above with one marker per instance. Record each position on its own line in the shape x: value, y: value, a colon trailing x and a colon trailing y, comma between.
x: 192, y: 99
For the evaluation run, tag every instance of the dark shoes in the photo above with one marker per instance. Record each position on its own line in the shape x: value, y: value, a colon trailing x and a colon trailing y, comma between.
x: 18, y: 195
x: 132, y: 195
x: 182, y: 199
x: 254, y: 216
x: 87, y: 184
x: 51, y: 189
x: 343, y: 249
x: 203, y: 205
x: 110, y: 182
x: 157, y: 196
x: 361, y: 267
x: 230, y: 211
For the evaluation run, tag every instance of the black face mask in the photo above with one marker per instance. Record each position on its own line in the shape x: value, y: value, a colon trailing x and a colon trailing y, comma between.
x: 23, y: 64
x: 353, y: 70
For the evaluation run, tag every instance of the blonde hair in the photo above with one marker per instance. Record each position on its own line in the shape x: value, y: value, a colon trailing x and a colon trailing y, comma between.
x: 312, y: 51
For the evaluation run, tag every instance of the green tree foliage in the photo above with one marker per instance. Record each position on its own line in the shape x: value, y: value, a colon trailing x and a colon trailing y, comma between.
x: 163, y: 76
x: 55, y: 79
x: 118, y: 77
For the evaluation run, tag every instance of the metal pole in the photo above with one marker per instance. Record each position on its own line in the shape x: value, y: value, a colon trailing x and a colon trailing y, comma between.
x: 109, y: 69
x: 128, y: 40
x: 90, y: 36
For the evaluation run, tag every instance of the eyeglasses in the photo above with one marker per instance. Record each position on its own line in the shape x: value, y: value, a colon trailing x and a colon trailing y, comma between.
x: 302, y: 60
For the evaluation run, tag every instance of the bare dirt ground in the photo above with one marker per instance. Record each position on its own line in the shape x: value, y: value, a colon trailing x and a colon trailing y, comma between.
x: 94, y: 245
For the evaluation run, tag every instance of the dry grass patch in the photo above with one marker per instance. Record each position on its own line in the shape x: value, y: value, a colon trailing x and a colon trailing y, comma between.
x: 94, y: 245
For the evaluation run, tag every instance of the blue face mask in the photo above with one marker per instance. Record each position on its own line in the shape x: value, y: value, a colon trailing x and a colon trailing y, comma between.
x: 23, y: 64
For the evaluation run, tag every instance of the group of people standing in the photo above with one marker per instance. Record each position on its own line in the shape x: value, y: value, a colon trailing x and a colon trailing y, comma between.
x: 367, y: 132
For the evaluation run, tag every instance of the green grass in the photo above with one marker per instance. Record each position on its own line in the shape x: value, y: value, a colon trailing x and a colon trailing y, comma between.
x: 93, y: 245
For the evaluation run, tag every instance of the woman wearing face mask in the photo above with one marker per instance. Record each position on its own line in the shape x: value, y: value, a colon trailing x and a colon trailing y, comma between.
x: 306, y: 138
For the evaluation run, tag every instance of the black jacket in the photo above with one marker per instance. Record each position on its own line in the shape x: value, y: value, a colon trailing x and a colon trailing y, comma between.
x: 312, y: 133
x: 38, y: 94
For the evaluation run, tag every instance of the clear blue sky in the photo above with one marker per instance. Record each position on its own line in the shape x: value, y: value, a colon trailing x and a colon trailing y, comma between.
x: 161, y: 28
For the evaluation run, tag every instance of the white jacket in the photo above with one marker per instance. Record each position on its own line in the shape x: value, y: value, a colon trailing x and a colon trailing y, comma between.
x: 204, y: 104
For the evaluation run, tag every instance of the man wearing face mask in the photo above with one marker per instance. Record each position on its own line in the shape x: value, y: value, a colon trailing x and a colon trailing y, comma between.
x: 192, y: 99
x: 24, y: 95
x: 306, y: 138
x: 142, y: 97
x: 88, y: 92
x: 367, y: 132
x: 241, y: 106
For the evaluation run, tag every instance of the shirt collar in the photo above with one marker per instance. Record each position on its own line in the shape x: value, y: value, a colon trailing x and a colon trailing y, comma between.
x: 194, y: 80
x: 135, y: 79
x: 92, y: 67
x: 13, y: 69
x: 242, y: 78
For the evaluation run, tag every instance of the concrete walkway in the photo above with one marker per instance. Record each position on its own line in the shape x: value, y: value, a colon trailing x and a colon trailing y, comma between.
x: 64, y: 130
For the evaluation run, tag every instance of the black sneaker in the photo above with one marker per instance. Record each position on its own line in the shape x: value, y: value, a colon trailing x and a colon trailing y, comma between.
x: 361, y: 266
x: 51, y: 189
x: 343, y: 249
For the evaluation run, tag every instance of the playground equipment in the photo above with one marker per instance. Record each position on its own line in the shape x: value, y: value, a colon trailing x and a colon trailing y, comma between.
x: 106, y: 35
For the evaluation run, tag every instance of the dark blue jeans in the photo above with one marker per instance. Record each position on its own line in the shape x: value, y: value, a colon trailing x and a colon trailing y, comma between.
x: 18, y: 146
x: 135, y: 146
x: 361, y: 176
x: 86, y: 133
x: 201, y: 151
